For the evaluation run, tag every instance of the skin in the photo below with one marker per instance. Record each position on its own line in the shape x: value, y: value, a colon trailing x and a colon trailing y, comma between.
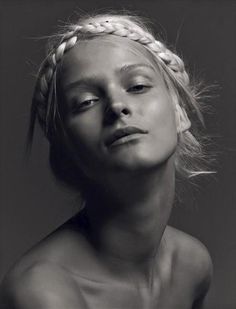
x: 119, y: 252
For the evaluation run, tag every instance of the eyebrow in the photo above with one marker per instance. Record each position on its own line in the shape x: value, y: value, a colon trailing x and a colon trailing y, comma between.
x: 128, y: 67
x: 92, y: 80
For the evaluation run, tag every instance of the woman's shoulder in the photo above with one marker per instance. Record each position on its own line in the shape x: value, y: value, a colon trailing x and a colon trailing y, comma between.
x: 44, y: 274
x: 63, y: 247
x: 192, y: 258
x: 42, y: 285
x: 189, y: 249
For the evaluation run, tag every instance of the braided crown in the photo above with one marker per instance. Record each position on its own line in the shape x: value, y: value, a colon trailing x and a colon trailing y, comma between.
x: 98, y: 26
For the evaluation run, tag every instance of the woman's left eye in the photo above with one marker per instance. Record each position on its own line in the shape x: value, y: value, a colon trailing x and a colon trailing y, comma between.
x: 138, y: 88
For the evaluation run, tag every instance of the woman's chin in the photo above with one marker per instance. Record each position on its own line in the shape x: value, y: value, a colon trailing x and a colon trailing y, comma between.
x: 134, y: 162
x: 137, y: 158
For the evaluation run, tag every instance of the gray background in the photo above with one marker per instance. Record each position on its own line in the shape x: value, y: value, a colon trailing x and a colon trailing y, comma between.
x: 32, y: 204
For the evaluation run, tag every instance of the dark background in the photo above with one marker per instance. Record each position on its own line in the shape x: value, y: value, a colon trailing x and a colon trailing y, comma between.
x: 32, y: 204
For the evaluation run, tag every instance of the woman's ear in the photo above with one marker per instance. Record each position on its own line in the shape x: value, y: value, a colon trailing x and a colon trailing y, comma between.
x: 182, y: 121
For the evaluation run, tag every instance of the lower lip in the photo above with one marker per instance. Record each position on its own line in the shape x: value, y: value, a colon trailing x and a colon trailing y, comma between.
x: 125, y: 139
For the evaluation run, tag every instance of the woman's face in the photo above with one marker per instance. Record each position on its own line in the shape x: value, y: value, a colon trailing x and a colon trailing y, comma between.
x: 117, y: 111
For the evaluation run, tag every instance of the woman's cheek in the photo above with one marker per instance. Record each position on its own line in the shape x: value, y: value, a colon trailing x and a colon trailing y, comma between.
x: 161, y: 116
x: 85, y: 127
x: 163, y: 127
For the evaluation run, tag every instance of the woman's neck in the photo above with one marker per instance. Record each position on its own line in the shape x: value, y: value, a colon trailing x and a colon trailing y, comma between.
x: 127, y: 219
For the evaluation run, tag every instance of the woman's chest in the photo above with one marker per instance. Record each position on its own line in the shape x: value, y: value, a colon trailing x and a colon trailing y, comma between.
x: 96, y: 295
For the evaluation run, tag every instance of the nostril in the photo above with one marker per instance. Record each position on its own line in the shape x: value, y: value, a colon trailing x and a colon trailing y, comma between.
x: 119, y: 109
x: 114, y: 112
x: 125, y: 111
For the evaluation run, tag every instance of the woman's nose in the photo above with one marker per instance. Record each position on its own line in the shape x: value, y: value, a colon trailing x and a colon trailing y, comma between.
x: 120, y: 109
x: 117, y: 108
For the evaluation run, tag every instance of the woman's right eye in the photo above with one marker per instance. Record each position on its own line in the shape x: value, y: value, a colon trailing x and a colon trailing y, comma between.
x: 84, y: 105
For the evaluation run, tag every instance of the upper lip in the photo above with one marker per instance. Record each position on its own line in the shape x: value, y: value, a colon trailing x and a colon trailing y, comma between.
x: 121, y: 132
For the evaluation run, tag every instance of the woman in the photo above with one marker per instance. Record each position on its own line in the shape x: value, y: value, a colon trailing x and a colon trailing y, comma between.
x: 115, y: 103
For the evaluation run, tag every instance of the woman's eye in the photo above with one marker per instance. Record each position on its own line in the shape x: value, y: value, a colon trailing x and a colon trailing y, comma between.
x: 84, y: 105
x: 88, y: 102
x: 138, y: 88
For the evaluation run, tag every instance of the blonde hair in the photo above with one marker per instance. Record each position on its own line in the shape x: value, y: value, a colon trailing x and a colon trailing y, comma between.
x: 190, y: 155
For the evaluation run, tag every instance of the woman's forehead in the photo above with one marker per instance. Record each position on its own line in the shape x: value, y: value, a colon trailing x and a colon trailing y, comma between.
x: 109, y: 51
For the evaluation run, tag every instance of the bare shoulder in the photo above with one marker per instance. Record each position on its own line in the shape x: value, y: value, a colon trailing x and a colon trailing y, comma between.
x: 193, y: 259
x: 42, y: 285
x: 43, y: 277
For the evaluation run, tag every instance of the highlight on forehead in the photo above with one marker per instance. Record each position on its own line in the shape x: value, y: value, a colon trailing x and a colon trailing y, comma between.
x: 110, y: 40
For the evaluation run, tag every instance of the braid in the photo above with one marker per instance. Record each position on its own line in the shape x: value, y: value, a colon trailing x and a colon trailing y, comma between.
x: 125, y: 29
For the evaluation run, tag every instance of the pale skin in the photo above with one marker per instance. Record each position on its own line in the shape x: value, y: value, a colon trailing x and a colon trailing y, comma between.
x: 125, y: 256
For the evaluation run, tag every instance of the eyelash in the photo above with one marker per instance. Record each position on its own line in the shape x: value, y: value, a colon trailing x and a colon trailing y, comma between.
x: 134, y: 88
x: 83, y: 105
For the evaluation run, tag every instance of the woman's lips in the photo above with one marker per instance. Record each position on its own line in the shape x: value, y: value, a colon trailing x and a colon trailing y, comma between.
x: 124, y: 135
